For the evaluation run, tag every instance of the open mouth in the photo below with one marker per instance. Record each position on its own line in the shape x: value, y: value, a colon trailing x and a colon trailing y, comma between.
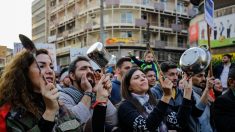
x: 49, y: 79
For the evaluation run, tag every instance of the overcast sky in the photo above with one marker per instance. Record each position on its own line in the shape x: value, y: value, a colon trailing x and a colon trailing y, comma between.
x: 15, y: 19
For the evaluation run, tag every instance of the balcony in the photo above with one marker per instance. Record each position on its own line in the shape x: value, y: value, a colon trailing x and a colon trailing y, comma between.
x: 140, y: 22
x: 63, y: 50
x: 88, y: 26
x: 168, y: 44
x: 112, y: 2
x: 59, y: 36
x: 53, y: 23
x: 69, y: 16
x: 61, y: 20
x: 192, y: 12
x: 51, y: 38
x: 159, y: 6
x: 52, y: 9
x: 176, y: 27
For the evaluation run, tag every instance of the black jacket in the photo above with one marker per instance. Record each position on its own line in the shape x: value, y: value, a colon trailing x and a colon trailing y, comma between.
x: 224, y: 112
x: 131, y: 120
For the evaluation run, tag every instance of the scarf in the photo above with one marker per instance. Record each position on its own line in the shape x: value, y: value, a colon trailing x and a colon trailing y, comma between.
x: 144, y: 101
x: 74, y: 93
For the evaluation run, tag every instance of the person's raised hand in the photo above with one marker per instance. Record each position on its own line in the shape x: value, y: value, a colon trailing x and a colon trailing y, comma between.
x: 166, y: 85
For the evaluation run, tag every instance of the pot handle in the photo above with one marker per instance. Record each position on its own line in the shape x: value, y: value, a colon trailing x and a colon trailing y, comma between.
x: 205, y: 46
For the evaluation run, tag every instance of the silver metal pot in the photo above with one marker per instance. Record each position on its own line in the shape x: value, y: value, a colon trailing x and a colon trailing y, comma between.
x: 195, y: 60
x: 100, y: 55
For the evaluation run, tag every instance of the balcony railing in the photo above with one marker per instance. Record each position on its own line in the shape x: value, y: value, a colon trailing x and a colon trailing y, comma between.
x: 52, y: 38
x: 140, y: 22
x: 59, y: 35
x: 176, y: 27
x: 112, y: 2
x: 88, y: 26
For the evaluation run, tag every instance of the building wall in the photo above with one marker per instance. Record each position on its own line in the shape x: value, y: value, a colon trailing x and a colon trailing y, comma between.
x: 39, y: 23
x: 77, y: 23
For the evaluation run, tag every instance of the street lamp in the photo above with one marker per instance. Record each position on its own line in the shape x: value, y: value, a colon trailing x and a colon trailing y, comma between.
x: 102, y: 21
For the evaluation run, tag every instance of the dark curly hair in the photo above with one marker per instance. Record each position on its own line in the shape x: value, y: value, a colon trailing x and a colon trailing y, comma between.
x: 15, y: 85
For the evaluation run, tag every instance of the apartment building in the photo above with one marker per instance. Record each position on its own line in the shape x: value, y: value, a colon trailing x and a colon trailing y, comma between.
x: 39, y: 21
x: 5, y: 56
x: 77, y: 23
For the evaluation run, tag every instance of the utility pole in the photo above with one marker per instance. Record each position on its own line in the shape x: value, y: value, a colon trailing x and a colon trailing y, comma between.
x: 102, y: 21
x: 148, y: 36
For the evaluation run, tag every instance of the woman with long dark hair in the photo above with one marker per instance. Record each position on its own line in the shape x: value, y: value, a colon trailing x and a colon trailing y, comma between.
x: 139, y: 111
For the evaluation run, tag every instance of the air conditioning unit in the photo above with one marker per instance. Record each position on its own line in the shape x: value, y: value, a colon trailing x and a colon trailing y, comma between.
x: 92, y: 15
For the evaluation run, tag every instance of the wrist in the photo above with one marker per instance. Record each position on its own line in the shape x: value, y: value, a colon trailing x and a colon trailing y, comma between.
x: 91, y: 95
x: 88, y: 90
x: 166, y: 99
x: 101, y: 99
x: 101, y: 103
x: 167, y: 95
x: 49, y: 115
x: 187, y: 96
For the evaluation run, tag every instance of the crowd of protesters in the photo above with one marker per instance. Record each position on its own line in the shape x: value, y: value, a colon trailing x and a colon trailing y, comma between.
x: 139, y: 99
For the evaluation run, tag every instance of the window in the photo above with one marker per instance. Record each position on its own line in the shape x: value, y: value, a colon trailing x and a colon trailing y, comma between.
x: 162, y: 22
x: 180, y: 7
x: 127, y: 17
x: 180, y: 42
x: 144, y: 16
x: 127, y: 34
x: 145, y: 37
x: 145, y: 2
x: 126, y: 1
x: 84, y: 41
x: 164, y: 2
x: 164, y: 39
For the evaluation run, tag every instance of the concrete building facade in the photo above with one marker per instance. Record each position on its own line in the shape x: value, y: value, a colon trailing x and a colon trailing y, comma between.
x: 77, y: 23
x: 39, y: 21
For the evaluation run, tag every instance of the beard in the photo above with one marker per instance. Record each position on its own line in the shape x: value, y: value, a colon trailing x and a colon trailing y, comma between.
x: 201, y: 85
x: 90, y: 80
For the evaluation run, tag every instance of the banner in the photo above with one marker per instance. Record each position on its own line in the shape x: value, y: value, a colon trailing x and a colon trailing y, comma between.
x: 119, y: 40
x: 223, y: 33
x: 193, y: 33
x: 76, y: 51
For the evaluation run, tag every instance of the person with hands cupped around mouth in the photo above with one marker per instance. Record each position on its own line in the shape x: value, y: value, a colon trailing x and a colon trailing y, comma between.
x: 81, y: 97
